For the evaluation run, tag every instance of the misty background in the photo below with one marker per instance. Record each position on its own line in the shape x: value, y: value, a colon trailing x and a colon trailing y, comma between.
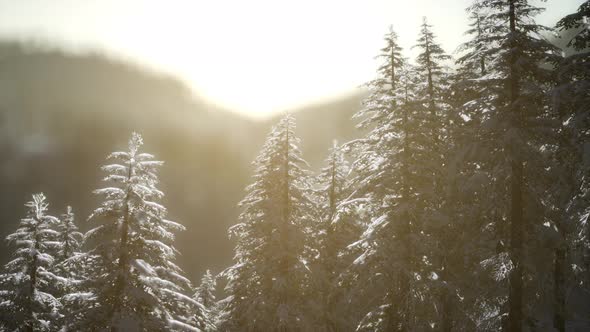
x: 61, y: 114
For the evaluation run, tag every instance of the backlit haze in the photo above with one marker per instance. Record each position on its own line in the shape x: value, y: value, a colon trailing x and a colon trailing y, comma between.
x: 255, y: 57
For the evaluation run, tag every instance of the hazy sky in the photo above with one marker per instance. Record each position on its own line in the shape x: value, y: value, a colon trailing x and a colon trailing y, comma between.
x: 252, y: 56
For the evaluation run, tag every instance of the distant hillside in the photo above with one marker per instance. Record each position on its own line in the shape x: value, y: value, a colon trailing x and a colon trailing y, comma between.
x: 61, y: 114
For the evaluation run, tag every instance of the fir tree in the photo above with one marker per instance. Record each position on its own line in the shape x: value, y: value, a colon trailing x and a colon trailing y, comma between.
x: 512, y: 110
x: 331, y: 236
x: 392, y: 175
x: 268, y: 283
x: 205, y: 295
x: 69, y: 237
x: 26, y: 304
x: 69, y: 266
x: 135, y: 282
x: 570, y: 191
x: 442, y: 119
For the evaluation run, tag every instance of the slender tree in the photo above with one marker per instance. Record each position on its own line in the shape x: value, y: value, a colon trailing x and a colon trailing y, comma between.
x: 205, y: 295
x: 135, y: 282
x: 26, y: 303
x: 391, y: 178
x: 442, y: 118
x: 512, y: 109
x: 571, y: 99
x: 331, y: 236
x: 69, y: 266
x: 269, y: 281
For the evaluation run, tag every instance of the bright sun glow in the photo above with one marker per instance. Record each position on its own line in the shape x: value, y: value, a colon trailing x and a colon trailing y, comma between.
x: 255, y: 57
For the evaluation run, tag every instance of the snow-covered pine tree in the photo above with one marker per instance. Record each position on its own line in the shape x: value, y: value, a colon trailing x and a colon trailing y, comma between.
x: 441, y: 226
x: 268, y: 283
x: 392, y: 176
x: 431, y: 68
x: 571, y: 193
x: 135, y: 282
x: 70, y: 238
x: 509, y: 149
x: 331, y: 236
x: 475, y: 53
x: 205, y: 295
x: 69, y: 266
x: 25, y: 304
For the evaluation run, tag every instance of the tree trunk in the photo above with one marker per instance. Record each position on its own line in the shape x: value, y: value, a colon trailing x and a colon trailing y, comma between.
x: 515, y: 296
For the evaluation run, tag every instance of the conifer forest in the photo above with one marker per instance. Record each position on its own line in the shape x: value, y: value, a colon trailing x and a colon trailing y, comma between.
x: 462, y: 204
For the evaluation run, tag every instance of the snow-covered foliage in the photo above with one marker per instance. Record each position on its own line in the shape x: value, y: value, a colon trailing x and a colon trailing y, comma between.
x: 69, y: 237
x: 329, y: 239
x: 205, y: 295
x: 393, y: 174
x: 135, y: 282
x: 25, y: 302
x: 267, y: 283
x: 504, y: 153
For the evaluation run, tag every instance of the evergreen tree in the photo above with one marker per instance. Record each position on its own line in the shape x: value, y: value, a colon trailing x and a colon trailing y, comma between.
x: 26, y: 304
x: 205, y: 295
x: 392, y: 176
x: 69, y: 237
x: 430, y: 67
x: 69, y: 266
x: 476, y: 53
x: 135, y: 282
x: 332, y: 235
x: 441, y: 227
x: 268, y: 284
x: 515, y: 126
x: 570, y: 191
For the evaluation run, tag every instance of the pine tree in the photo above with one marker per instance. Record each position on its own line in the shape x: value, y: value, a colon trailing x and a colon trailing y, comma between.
x: 571, y: 99
x: 205, y: 295
x: 515, y: 127
x: 267, y: 285
x: 430, y: 66
x: 476, y: 53
x: 392, y: 175
x: 69, y: 266
x: 135, y: 282
x: 26, y: 305
x: 331, y: 236
x: 442, y: 119
x: 69, y: 237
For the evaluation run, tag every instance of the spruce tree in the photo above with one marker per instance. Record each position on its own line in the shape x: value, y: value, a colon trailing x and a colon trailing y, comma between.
x: 205, y: 295
x: 69, y: 266
x: 391, y: 179
x: 570, y: 192
x: 268, y: 284
x: 26, y: 304
x: 135, y: 282
x: 515, y: 127
x: 69, y: 237
x: 441, y: 225
x: 332, y: 235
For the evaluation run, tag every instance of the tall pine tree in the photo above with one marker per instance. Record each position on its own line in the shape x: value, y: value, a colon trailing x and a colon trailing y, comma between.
x: 512, y: 110
x: 268, y: 284
x: 391, y: 180
x: 135, y: 282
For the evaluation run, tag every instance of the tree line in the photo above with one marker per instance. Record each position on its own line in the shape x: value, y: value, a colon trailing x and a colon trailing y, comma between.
x: 463, y: 207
